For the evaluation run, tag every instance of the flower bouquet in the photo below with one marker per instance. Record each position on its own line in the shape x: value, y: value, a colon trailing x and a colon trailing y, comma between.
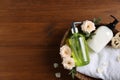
x: 82, y: 42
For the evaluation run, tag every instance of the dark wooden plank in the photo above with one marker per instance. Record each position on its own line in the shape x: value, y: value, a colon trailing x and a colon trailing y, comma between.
x: 26, y: 63
x: 31, y: 31
x: 32, y: 34
x: 56, y: 11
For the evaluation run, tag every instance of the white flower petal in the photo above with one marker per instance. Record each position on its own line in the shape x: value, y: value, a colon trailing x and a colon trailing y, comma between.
x: 55, y: 65
x: 58, y: 75
x: 99, y: 70
x: 118, y: 58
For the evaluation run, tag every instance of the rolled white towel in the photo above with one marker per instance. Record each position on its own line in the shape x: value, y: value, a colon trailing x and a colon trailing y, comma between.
x: 104, y: 65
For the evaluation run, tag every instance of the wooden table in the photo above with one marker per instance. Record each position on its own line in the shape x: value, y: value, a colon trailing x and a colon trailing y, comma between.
x: 31, y: 31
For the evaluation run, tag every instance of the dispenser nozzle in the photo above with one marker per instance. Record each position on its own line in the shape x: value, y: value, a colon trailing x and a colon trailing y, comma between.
x: 74, y: 29
x: 113, y: 24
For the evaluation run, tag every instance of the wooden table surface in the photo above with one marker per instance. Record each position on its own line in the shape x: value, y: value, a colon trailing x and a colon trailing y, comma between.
x: 31, y: 31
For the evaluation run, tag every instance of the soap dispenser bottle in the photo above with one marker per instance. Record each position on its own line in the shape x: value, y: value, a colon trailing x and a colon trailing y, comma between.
x: 102, y: 36
x: 78, y: 46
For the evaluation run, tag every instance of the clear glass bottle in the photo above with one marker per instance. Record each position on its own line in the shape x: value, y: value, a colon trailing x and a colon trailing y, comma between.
x: 79, y: 47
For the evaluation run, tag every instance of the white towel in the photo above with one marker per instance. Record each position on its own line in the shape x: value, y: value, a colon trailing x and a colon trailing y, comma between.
x: 104, y: 65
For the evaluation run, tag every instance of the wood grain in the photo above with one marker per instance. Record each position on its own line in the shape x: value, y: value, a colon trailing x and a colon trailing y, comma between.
x: 31, y: 31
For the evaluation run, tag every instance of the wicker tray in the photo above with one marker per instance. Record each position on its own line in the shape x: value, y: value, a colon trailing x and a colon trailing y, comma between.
x: 68, y: 33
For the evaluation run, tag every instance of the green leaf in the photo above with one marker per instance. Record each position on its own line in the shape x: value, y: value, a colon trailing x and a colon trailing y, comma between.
x: 89, y: 36
x: 73, y: 72
x: 97, y: 20
x: 92, y: 34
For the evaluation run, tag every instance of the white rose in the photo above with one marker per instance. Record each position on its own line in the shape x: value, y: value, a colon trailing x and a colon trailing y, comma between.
x: 65, y: 51
x: 88, y: 26
x: 68, y: 63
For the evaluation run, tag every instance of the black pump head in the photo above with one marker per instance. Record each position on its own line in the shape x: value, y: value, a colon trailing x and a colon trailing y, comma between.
x: 113, y: 24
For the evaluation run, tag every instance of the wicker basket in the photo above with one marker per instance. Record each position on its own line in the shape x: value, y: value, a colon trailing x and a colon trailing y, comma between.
x: 68, y: 33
